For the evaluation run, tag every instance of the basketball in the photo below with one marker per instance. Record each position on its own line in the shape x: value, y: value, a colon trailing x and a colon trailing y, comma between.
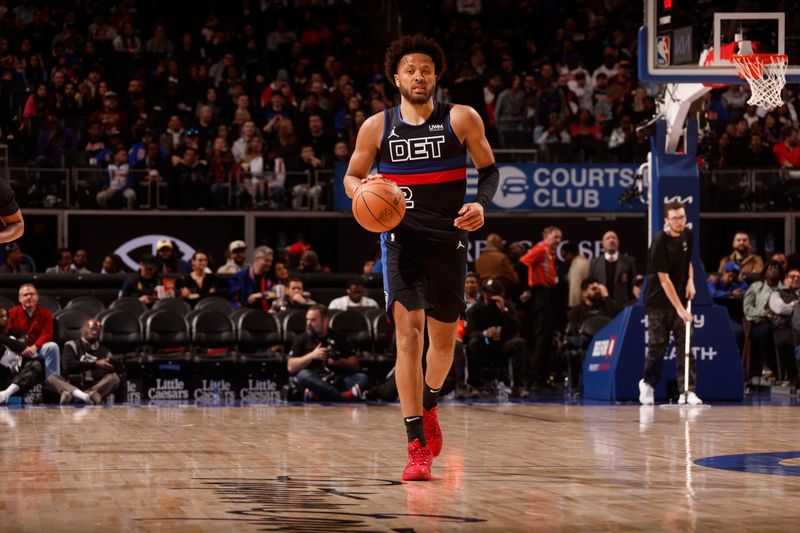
x: 379, y: 205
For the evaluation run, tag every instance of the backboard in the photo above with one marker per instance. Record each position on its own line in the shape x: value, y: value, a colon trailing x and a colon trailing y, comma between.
x: 677, y: 36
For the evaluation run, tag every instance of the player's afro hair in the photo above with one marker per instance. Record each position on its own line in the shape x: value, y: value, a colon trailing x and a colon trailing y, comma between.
x: 411, y: 44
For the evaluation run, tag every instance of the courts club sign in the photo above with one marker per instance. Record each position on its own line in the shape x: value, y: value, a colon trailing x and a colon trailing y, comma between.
x: 528, y: 187
x: 125, y: 250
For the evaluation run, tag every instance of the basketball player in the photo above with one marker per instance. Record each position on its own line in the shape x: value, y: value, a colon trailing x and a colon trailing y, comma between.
x: 670, y: 283
x: 422, y: 145
x: 10, y: 216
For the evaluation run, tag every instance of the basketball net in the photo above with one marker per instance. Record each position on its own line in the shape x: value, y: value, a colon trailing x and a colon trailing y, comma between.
x: 766, y: 74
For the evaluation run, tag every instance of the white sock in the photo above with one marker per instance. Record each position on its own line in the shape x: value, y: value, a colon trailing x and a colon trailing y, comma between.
x: 82, y: 396
x: 9, y: 392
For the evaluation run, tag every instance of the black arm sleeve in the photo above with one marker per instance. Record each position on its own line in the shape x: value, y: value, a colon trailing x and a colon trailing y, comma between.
x: 488, y: 178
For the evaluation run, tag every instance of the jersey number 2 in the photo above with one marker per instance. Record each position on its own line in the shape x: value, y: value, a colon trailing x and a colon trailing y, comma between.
x: 409, y: 194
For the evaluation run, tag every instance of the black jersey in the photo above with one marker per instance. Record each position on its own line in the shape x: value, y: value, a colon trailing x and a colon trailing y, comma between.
x: 430, y: 165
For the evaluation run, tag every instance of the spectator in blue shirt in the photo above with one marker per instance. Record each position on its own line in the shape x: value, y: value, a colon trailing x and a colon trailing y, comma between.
x: 251, y: 287
x: 729, y: 284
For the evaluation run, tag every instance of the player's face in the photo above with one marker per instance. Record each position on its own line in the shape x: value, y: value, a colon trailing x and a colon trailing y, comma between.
x: 416, y: 78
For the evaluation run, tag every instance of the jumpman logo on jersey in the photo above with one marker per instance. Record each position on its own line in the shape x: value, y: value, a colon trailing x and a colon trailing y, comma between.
x: 392, y: 133
x: 460, y: 245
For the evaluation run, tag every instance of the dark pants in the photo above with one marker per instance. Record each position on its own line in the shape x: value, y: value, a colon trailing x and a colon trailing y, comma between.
x: 308, y: 379
x: 496, y: 354
x: 460, y: 363
x: 542, y: 324
x: 30, y: 373
x: 762, y: 348
x: 660, y: 323
x: 784, y: 352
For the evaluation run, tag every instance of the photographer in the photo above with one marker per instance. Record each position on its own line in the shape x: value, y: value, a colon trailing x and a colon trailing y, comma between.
x: 323, y: 362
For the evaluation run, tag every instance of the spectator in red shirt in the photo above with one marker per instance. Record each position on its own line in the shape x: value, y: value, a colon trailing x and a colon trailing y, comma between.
x: 36, y: 324
x: 24, y: 373
x: 787, y: 153
x: 542, y: 279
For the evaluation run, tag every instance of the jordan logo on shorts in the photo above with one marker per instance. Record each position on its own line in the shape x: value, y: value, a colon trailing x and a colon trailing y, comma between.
x: 460, y: 245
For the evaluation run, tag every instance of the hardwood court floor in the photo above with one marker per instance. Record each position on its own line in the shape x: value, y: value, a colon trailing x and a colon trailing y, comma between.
x: 508, y: 467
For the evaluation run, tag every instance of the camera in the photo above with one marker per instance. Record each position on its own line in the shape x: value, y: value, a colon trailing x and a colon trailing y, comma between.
x: 333, y: 351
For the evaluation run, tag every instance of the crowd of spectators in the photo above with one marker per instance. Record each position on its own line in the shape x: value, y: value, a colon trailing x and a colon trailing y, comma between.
x: 225, y: 109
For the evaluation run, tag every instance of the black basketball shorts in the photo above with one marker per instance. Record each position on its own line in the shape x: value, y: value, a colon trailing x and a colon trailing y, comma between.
x: 424, y: 274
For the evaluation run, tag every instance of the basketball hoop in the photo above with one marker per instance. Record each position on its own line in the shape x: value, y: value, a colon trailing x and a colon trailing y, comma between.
x: 766, y: 74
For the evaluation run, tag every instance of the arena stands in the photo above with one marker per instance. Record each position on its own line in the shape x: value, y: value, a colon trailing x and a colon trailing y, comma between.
x: 248, y: 104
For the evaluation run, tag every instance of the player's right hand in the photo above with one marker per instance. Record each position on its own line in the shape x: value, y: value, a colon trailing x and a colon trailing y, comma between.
x: 685, y: 315
x: 371, y: 177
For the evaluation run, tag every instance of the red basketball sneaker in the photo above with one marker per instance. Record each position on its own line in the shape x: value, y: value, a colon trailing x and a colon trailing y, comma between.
x: 419, y: 462
x: 433, y: 433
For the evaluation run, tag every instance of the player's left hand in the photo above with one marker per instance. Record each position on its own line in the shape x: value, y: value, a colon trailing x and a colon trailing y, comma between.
x: 471, y: 217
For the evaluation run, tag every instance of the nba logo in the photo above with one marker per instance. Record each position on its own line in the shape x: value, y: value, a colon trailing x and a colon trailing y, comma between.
x: 662, y: 51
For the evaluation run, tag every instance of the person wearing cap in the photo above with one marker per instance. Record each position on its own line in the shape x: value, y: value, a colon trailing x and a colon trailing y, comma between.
x: 169, y: 262
x: 15, y: 262
x: 250, y: 287
x: 109, y: 116
x: 237, y: 259
x: 492, y: 335
x: 143, y: 284
x: 729, y: 284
